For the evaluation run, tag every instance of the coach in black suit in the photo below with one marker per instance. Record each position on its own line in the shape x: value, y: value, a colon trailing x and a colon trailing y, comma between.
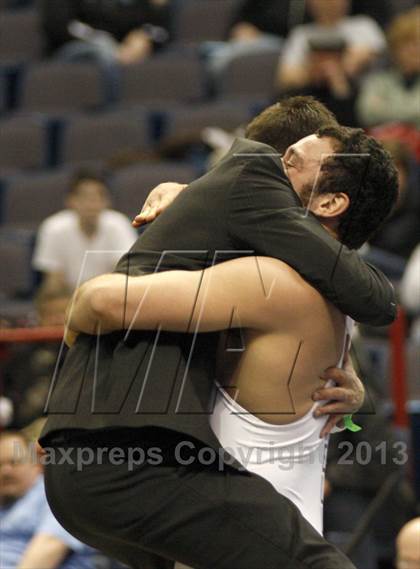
x: 155, y: 389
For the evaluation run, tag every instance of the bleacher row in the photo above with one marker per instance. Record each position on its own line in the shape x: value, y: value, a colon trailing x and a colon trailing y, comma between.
x: 192, y: 20
x: 56, y: 116
x: 175, y: 75
x: 44, y: 141
x: 54, y: 113
x: 161, y: 98
x: 30, y: 199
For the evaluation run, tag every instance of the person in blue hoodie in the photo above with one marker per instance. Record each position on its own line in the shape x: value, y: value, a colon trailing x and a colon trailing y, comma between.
x: 30, y: 536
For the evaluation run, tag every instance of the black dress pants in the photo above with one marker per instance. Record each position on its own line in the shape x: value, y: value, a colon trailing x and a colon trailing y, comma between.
x: 206, y: 517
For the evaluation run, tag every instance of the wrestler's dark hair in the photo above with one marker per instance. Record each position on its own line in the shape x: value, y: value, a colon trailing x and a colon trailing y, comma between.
x: 88, y: 173
x: 289, y: 120
x: 365, y: 171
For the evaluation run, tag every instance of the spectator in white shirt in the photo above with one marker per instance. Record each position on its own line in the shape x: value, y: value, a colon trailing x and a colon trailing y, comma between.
x: 393, y: 94
x: 362, y: 36
x: 85, y: 240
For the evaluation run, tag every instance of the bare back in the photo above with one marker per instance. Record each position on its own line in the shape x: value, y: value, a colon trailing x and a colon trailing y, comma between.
x: 291, y: 333
x: 276, y: 372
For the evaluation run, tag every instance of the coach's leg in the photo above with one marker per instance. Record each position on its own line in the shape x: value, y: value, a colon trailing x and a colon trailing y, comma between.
x: 202, y: 517
x: 246, y: 521
x: 83, y: 519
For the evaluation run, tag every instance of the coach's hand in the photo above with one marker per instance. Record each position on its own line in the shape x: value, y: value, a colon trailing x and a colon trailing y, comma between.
x: 158, y: 200
x: 344, y: 398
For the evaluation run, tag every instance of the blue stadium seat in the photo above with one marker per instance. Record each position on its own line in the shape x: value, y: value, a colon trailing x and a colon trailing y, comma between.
x: 57, y: 87
x: 20, y: 36
x: 105, y: 137
x: 16, y: 278
x: 166, y: 78
x: 185, y: 120
x: 23, y: 142
x: 131, y: 185
x: 250, y: 76
x: 202, y: 20
x: 28, y: 200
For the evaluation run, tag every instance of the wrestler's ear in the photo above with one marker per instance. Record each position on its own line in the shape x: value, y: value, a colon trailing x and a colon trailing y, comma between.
x: 330, y: 205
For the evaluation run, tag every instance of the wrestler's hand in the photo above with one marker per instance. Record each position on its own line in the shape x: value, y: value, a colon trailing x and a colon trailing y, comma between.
x: 158, y: 200
x: 344, y: 398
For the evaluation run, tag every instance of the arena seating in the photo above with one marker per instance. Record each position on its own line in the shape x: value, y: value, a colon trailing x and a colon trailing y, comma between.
x: 20, y: 36
x: 105, y: 136
x: 59, y: 87
x: 203, y: 21
x: 23, y: 142
x: 169, y: 78
x: 132, y: 184
x: 29, y: 199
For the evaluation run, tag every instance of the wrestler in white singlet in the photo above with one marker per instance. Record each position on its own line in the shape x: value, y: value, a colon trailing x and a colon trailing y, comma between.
x: 291, y: 457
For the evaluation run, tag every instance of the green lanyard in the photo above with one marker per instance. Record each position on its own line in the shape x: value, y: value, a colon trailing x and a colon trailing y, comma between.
x: 349, y: 425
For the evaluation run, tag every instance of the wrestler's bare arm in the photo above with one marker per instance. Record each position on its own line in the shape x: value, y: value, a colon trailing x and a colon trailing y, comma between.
x: 251, y: 292
x: 204, y: 301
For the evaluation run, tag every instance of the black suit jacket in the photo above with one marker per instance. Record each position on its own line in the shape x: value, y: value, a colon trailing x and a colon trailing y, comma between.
x: 244, y: 205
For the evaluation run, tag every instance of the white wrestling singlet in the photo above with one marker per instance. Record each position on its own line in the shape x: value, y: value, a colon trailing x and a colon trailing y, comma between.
x: 291, y: 457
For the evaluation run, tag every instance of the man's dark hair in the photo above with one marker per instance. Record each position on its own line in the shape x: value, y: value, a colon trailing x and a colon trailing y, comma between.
x: 364, y: 171
x: 289, y: 120
x: 88, y: 173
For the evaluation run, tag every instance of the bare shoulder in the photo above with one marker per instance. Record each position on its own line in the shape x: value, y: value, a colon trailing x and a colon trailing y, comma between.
x: 272, y: 290
x: 284, y: 281
x: 284, y: 274
x: 267, y: 272
x: 270, y: 278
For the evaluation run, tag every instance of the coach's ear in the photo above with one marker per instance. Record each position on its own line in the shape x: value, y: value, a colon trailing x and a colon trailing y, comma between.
x: 330, y: 205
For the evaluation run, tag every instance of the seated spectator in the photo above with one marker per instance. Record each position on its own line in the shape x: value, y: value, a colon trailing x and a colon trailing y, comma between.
x: 84, y: 240
x: 328, y: 81
x: 134, y: 28
x: 361, y: 38
x: 258, y: 26
x: 254, y: 18
x: 393, y: 94
x: 30, y: 535
x: 28, y: 371
x: 408, y: 545
x: 401, y: 232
